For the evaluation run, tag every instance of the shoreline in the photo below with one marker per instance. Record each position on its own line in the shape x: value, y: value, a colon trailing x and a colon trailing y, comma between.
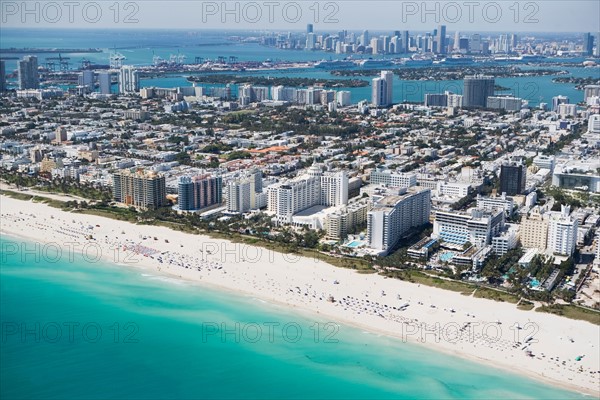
x: 365, y: 301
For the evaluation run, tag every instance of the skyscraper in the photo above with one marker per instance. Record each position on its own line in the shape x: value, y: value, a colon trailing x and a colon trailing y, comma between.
x: 2, y: 76
x: 199, y: 192
x: 475, y: 43
x: 456, y: 44
x: 364, y: 38
x: 441, y: 40
x: 29, y: 77
x: 512, y: 178
x: 139, y: 188
x: 128, y: 80
x: 309, y: 28
x: 393, y: 216
x: 311, y: 41
x: 104, y: 81
x: 86, y: 79
x: 378, y: 92
x: 562, y: 232
x: 588, y: 44
x: 477, y: 88
x: 558, y: 100
x: 405, y: 42
x: 388, y: 76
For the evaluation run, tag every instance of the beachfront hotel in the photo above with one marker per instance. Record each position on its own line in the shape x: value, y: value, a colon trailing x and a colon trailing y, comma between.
x: 393, y: 216
x: 199, y: 192
x: 311, y: 189
x: 477, y: 227
x: 139, y: 188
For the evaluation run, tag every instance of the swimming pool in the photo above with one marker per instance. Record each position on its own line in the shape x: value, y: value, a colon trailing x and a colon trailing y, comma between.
x: 354, y: 243
x: 446, y: 256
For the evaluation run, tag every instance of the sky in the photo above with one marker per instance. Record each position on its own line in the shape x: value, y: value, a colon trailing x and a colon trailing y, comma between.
x: 375, y: 15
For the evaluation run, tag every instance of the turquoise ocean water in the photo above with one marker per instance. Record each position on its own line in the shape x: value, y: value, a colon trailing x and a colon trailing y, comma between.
x: 108, y: 331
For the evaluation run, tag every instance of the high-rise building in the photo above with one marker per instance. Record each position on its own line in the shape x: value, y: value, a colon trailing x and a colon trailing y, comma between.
x: 590, y: 90
x: 393, y: 216
x: 139, y: 188
x: 477, y: 227
x: 391, y: 179
x: 198, y: 192
x: 436, y: 100
x: 344, y: 98
x: 238, y: 196
x: 388, y: 76
x: 104, y: 81
x: 514, y: 41
x: 60, y: 135
x: 2, y: 76
x: 334, y: 188
x: 245, y: 193
x: 507, y: 103
x: 129, y: 81
x: 29, y: 77
x: 382, y: 89
x: 364, y: 38
x: 309, y: 28
x: 512, y: 178
x: 456, y: 44
x: 558, y: 100
x: 477, y: 89
x: 313, y: 188
x: 375, y: 45
x: 534, y: 230
x: 441, y: 40
x: 588, y: 44
x: 594, y: 123
x: 86, y: 80
x: 475, y: 45
x: 405, y: 41
x: 378, y: 92
x: 311, y: 41
x: 562, y: 232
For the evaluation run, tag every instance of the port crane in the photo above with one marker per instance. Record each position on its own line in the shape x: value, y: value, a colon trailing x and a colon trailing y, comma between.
x: 63, y: 63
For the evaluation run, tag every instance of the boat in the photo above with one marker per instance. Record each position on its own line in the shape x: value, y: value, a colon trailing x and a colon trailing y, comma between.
x: 457, y: 60
x: 417, y: 61
x: 371, y: 63
x: 334, y: 64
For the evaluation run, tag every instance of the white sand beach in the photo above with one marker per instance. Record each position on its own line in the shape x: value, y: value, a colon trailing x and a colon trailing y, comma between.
x: 538, y: 345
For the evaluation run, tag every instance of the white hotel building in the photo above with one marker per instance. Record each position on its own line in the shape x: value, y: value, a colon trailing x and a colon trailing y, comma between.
x: 393, y: 216
x: 562, y: 232
x: 314, y: 188
x: 392, y: 179
x: 477, y: 227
